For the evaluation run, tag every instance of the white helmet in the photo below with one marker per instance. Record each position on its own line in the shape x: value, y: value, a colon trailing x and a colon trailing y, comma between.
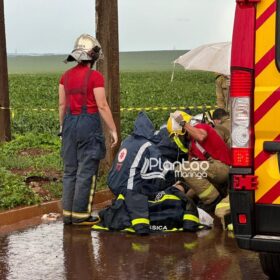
x: 86, y: 48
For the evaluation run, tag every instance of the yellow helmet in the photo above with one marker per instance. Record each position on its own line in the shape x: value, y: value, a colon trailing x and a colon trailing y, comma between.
x: 173, y: 127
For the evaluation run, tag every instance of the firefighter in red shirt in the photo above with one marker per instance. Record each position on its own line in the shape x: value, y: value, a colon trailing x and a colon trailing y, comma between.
x: 82, y: 101
x: 207, y: 170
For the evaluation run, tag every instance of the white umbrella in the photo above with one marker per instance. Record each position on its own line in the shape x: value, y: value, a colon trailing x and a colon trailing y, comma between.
x: 210, y: 57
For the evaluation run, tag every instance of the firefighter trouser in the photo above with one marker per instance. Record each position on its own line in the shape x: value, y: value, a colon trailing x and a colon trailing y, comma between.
x: 82, y: 148
x: 222, y: 93
x: 223, y: 209
x: 138, y: 211
x: 204, y: 179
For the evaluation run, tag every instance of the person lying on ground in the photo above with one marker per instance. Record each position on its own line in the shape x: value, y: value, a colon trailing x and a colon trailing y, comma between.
x: 170, y: 210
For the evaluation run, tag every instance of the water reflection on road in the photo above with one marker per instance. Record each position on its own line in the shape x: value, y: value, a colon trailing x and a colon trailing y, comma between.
x: 53, y: 251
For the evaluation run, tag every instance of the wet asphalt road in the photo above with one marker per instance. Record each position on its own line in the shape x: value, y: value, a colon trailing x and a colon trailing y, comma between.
x: 54, y: 251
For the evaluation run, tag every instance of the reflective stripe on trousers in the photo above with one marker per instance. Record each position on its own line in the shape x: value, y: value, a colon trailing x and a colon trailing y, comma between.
x: 223, y: 207
x: 82, y: 149
x: 78, y: 195
x: 205, y: 186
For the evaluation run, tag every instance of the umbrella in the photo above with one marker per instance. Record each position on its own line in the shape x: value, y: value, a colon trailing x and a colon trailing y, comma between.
x: 210, y: 57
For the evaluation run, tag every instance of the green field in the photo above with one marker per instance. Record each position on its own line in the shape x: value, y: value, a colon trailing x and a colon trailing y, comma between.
x: 34, y: 152
x: 144, y: 80
x: 129, y: 61
x: 34, y: 97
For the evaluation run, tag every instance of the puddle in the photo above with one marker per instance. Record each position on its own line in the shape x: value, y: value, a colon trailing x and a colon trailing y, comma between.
x: 54, y: 251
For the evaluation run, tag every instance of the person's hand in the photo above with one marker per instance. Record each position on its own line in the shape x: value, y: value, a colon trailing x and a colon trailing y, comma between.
x: 177, y: 116
x: 179, y: 187
x: 114, y: 138
x: 178, y: 183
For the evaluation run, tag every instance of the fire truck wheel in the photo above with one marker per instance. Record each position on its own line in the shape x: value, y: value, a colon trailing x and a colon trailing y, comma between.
x: 270, y: 264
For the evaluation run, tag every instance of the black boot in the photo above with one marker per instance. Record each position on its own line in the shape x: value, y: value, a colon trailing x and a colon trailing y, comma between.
x: 88, y: 222
x: 209, y: 208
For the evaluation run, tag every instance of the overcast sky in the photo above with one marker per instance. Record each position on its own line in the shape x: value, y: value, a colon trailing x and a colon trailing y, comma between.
x: 51, y: 26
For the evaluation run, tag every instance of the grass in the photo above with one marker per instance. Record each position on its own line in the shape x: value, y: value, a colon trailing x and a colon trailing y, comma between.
x: 25, y: 157
x: 13, y: 192
x: 31, y: 167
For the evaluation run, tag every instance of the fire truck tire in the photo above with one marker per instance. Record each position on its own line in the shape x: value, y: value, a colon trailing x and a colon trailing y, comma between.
x: 270, y: 264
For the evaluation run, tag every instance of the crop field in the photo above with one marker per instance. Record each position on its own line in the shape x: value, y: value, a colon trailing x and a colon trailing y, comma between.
x: 31, y: 167
x: 129, y: 62
x: 34, y: 97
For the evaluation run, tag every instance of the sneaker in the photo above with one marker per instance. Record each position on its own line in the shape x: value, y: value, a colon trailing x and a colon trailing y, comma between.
x: 88, y: 222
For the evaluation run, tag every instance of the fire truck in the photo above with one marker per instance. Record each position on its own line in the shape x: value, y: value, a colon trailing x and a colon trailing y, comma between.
x: 255, y: 113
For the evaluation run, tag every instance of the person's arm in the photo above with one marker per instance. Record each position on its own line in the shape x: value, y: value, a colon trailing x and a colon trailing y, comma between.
x: 62, y: 104
x: 197, y: 134
x: 105, y: 112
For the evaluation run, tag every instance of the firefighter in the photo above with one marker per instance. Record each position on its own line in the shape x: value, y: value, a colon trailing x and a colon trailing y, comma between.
x: 222, y: 124
x: 82, y: 101
x: 209, y: 159
x: 222, y: 91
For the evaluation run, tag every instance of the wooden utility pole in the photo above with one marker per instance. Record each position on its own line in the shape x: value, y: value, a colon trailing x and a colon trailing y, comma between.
x: 5, y: 125
x: 108, y: 36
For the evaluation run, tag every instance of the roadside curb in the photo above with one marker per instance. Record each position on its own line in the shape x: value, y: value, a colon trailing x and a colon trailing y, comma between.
x: 101, y: 199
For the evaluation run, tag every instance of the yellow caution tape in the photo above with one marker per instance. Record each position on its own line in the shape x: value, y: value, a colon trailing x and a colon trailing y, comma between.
x: 29, y: 109
x: 124, y: 109
x: 5, y: 108
x: 166, y: 108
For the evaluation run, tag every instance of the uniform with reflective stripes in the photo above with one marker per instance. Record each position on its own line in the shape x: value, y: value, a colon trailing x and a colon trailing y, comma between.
x: 206, y: 184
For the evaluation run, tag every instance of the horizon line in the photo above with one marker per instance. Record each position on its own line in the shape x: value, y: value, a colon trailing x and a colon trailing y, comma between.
x: 38, y: 54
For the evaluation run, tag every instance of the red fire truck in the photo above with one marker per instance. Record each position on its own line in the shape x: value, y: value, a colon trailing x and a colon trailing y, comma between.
x: 255, y: 111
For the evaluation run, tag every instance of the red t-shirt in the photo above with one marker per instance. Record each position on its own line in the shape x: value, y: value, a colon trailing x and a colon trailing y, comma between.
x: 75, y: 79
x: 213, y: 145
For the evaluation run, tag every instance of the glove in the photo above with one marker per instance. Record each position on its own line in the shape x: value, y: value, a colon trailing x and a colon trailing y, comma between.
x: 177, y: 116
